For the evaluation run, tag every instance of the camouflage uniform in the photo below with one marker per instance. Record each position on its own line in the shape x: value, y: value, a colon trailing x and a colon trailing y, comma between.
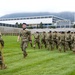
x: 73, y: 45
x: 43, y: 39
x: 49, y: 41
x: 1, y: 54
x: 55, y: 39
x: 37, y: 40
x: 69, y: 40
x: 59, y: 41
x: 25, y: 34
x: 62, y: 44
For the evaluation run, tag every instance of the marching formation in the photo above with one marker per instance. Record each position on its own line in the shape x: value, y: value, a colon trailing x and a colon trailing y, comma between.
x: 62, y: 41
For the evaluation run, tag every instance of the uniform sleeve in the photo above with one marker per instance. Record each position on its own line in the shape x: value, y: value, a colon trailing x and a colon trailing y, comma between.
x: 20, y: 34
x: 2, y: 42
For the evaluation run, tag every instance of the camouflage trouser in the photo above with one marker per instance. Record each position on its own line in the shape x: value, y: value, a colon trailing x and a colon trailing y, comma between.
x: 55, y: 43
x: 43, y: 41
x: 23, y: 47
x: 63, y: 46
x: 49, y: 44
x: 37, y: 41
x: 2, y: 65
x: 69, y: 45
x: 1, y: 62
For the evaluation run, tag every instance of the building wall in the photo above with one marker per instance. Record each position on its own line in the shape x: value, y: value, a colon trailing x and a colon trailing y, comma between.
x: 29, y: 21
x: 63, y: 24
x: 47, y: 21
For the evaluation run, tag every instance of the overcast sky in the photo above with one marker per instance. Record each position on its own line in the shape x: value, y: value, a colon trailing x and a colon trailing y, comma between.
x: 13, y: 6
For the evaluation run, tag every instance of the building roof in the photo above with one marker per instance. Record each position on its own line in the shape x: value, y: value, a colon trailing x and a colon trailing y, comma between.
x: 31, y: 17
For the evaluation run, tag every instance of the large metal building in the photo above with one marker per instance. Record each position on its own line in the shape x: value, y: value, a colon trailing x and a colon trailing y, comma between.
x: 47, y: 21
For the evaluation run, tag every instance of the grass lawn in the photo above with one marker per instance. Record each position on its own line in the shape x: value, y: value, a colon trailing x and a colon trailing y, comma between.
x: 38, y: 61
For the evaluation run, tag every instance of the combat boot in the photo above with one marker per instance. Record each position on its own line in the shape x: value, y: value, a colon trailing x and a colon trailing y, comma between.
x: 25, y: 54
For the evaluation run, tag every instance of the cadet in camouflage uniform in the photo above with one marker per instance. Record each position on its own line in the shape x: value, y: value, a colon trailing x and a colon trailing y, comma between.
x: 73, y: 45
x: 62, y: 44
x: 43, y: 39
x: 37, y: 40
x: 59, y: 40
x: 2, y: 65
x: 25, y: 37
x: 55, y: 39
x: 73, y: 39
x: 69, y: 40
x: 49, y: 41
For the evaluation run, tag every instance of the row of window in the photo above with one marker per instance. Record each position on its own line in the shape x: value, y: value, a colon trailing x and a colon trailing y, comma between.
x: 63, y: 26
x: 8, y: 25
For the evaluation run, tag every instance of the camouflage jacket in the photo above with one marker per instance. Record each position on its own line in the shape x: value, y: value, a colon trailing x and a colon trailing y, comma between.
x: 62, y: 37
x: 25, y: 34
x: 55, y: 37
x: 37, y: 36
x: 43, y: 36
x: 69, y: 38
x: 1, y: 43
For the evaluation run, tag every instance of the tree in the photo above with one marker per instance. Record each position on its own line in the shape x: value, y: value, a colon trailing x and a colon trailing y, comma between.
x: 74, y: 26
x: 20, y: 25
x: 52, y: 27
x: 16, y: 24
x: 41, y: 25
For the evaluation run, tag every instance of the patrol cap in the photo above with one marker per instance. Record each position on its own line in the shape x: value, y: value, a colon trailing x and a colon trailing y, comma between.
x: 37, y: 32
x: 55, y: 32
x: 62, y: 32
x: 24, y: 24
x: 68, y: 31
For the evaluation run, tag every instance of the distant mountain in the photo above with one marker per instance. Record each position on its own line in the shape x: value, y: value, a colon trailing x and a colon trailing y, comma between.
x: 65, y: 15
